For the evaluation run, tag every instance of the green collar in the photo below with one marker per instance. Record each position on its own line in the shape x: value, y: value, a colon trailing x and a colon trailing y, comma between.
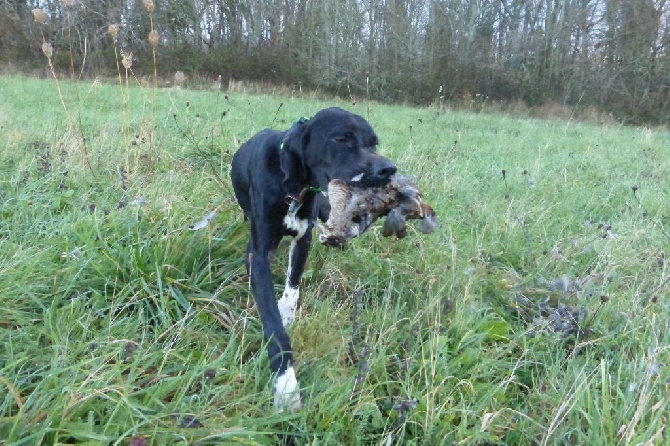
x: 294, y: 203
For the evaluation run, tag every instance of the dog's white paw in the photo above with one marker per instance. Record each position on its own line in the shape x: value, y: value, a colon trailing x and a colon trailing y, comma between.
x: 288, y: 304
x: 287, y: 393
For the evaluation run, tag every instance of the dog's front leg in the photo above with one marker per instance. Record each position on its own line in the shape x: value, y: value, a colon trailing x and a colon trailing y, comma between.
x: 286, y: 392
x: 297, y: 259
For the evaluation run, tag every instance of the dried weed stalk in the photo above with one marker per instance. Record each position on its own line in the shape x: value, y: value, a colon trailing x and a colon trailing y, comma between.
x: 42, y: 19
x: 362, y: 356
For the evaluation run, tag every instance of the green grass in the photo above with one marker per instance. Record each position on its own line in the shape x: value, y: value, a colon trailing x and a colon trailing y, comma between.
x: 118, y: 323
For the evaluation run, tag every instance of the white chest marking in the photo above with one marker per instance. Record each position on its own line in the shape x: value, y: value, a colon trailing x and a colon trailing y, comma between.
x: 296, y: 224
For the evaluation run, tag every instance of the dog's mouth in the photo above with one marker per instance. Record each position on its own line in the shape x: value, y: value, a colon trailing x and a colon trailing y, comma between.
x: 354, y: 181
x: 367, y: 180
x: 364, y: 180
x: 356, y: 178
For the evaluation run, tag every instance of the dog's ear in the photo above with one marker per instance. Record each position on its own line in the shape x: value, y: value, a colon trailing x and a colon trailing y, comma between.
x: 292, y: 158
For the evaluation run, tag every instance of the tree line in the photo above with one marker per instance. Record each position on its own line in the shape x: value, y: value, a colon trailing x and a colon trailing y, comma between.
x: 612, y: 55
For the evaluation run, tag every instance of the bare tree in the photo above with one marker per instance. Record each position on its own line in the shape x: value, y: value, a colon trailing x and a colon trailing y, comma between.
x: 612, y: 54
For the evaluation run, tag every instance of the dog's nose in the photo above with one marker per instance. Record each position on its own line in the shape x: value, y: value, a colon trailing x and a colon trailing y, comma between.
x: 384, y: 169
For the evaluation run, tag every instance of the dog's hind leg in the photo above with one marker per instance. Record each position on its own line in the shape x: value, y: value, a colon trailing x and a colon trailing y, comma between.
x: 297, y: 259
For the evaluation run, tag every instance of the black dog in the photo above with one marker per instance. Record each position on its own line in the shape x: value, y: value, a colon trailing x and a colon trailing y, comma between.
x: 278, y: 178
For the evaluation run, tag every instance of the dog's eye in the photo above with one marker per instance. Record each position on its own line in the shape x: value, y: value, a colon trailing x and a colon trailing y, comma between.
x: 341, y: 139
x: 345, y: 138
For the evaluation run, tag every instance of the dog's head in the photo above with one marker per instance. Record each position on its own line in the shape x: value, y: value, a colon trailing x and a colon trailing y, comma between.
x: 334, y: 144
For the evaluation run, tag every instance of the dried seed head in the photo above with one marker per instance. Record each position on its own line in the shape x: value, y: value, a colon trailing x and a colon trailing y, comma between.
x: 40, y: 16
x: 113, y: 30
x: 154, y: 38
x: 149, y: 5
x: 127, y: 60
x: 47, y: 49
x: 67, y: 3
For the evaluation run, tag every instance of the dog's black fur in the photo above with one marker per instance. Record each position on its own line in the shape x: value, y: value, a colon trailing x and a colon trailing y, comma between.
x: 277, y: 177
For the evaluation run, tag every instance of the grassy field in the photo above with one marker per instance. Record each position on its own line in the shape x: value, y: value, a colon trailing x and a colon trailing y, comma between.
x: 538, y: 312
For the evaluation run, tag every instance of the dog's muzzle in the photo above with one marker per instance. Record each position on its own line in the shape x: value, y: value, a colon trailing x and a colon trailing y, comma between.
x: 378, y: 175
